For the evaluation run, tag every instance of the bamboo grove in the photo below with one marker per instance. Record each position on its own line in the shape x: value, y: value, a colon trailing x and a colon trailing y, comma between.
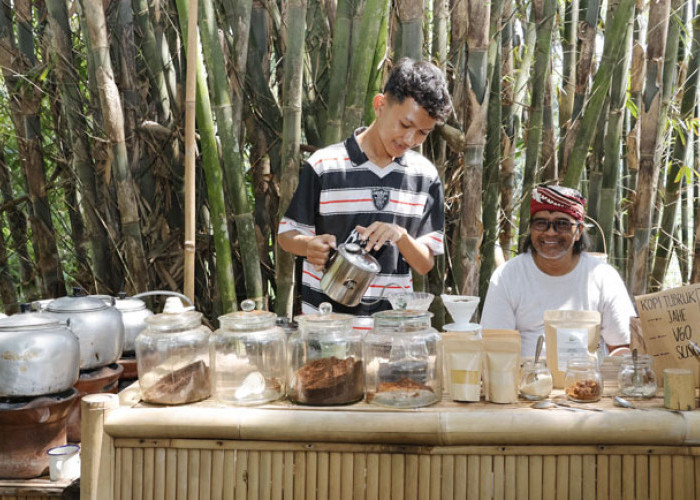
x: 602, y: 96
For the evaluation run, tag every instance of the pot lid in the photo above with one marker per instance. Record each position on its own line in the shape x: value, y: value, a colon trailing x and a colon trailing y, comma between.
x: 76, y: 304
x: 248, y: 318
x: 355, y: 255
x: 129, y: 304
x: 27, y: 321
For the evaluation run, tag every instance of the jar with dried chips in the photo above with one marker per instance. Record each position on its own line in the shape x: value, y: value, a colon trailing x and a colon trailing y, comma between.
x: 248, y: 357
x: 583, y: 383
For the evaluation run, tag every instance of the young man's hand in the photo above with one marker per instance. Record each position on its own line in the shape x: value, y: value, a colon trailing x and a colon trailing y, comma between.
x: 379, y: 233
x: 318, y: 250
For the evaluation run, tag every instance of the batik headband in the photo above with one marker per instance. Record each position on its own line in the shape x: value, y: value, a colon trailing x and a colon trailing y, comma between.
x: 558, y: 199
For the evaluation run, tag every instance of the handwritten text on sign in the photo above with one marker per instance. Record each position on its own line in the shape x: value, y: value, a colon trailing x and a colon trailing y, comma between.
x: 668, y: 321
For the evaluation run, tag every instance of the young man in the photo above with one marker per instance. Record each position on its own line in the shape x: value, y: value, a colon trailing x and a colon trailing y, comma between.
x: 554, y: 272
x: 375, y: 184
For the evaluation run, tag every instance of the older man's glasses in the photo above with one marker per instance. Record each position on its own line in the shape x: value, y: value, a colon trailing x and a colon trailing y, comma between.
x: 560, y: 225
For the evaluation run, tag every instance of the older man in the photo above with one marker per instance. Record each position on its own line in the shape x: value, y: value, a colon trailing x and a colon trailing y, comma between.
x: 554, y: 272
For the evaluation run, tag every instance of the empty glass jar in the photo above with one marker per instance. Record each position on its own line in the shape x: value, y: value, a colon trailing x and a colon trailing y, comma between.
x: 404, y: 360
x: 248, y: 357
x: 638, y: 380
x: 325, y: 360
x: 172, y: 356
x: 583, y: 382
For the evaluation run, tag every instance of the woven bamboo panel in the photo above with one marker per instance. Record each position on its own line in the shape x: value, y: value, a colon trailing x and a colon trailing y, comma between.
x: 203, y: 469
x: 5, y: 497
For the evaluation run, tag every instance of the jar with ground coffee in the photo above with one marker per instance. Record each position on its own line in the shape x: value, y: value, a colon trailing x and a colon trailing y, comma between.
x: 248, y: 357
x: 404, y: 360
x: 325, y: 360
x: 172, y: 357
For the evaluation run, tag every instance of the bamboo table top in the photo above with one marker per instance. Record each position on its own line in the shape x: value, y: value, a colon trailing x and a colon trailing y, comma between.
x: 445, y: 424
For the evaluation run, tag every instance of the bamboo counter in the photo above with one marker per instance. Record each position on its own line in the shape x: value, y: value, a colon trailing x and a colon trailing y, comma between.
x: 207, y: 450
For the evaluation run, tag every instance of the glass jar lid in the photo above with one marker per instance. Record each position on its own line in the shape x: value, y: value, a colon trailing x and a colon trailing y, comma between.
x: 353, y: 253
x: 325, y: 320
x: 581, y: 364
x: 248, y: 318
x: 402, y: 319
x: 174, y: 322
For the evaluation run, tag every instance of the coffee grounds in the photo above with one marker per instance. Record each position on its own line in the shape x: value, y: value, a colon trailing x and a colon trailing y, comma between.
x: 186, y: 385
x: 328, y: 381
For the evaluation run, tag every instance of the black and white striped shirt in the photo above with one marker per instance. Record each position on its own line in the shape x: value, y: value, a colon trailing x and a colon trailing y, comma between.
x: 340, y: 188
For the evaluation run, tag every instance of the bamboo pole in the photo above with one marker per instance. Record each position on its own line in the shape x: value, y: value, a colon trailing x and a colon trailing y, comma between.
x: 291, y: 137
x: 97, y: 481
x: 601, y: 83
x: 651, y: 120
x: 543, y: 12
x: 190, y: 198
x: 680, y: 143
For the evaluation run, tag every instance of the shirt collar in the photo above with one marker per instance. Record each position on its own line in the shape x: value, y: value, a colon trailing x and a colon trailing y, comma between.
x: 357, y: 156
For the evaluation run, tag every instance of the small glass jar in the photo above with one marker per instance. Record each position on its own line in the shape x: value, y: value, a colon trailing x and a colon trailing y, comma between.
x: 583, y: 382
x: 637, y: 382
x: 325, y: 360
x: 248, y: 357
x: 172, y: 356
x: 404, y: 360
x: 535, y: 380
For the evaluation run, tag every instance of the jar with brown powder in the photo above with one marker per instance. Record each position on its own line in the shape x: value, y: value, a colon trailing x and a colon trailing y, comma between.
x: 325, y: 360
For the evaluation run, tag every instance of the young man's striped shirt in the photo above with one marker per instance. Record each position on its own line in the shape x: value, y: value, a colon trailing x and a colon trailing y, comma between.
x: 339, y: 188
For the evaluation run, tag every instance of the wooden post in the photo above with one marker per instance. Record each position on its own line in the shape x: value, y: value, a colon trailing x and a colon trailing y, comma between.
x: 679, y: 389
x: 97, y: 457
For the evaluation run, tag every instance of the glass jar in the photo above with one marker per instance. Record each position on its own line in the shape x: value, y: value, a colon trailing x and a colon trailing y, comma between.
x: 637, y: 381
x: 535, y: 380
x: 325, y: 360
x: 248, y: 357
x: 583, y: 382
x: 404, y: 360
x: 172, y: 357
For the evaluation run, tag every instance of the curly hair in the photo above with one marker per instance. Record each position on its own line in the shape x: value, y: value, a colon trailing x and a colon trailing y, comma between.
x: 423, y: 82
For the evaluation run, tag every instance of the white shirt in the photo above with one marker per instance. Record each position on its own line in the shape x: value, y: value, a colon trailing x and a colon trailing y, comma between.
x: 519, y: 294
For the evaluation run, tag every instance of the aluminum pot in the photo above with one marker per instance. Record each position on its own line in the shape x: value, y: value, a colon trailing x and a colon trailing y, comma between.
x: 99, y: 327
x: 38, y: 355
x: 134, y: 313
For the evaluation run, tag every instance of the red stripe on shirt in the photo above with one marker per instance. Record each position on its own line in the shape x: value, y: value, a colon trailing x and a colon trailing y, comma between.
x: 439, y: 240
x: 331, y: 159
x: 398, y: 202
x: 312, y: 275
x: 345, y: 201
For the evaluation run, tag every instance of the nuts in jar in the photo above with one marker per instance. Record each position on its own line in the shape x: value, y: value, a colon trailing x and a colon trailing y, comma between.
x: 583, y: 382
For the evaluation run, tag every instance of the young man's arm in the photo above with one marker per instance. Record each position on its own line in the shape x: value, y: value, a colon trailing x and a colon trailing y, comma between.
x: 416, y: 254
x: 316, y: 249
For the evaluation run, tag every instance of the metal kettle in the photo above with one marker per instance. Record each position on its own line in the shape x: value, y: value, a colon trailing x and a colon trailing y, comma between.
x: 349, y: 273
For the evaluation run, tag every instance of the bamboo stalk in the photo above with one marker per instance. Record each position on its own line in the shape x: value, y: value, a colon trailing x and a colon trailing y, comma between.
x: 628, y: 479
x: 562, y: 477
x: 214, y: 183
x: 651, y: 118
x: 340, y: 57
x: 408, y: 41
x: 291, y: 136
x: 543, y: 12
x: 575, y: 477
x: 424, y: 464
x: 641, y: 476
x: 410, y: 487
x: 473, y: 477
x: 96, y: 468
x: 218, y: 474
x: 205, y: 475
x: 680, y: 143
x: 448, y: 476
x: 228, y: 115
x: 346, y: 480
x: 171, y: 474
x: 190, y: 198
x: 323, y: 476
x: 589, y: 477
x: 549, y: 477
x: 278, y: 475
x: 615, y: 476
x: 486, y: 486
x: 603, y: 475
x: 242, y: 475
x: 601, y: 84
x: 265, y: 475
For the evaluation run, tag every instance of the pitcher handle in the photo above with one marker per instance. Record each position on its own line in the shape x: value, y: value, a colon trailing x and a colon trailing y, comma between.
x: 164, y: 292
x: 381, y: 294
